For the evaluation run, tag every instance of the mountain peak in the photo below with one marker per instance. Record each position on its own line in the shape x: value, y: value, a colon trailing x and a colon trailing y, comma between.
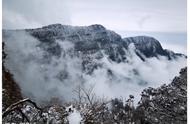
x: 143, y: 40
x: 53, y: 25
x: 149, y: 46
x: 58, y: 25
x: 97, y: 27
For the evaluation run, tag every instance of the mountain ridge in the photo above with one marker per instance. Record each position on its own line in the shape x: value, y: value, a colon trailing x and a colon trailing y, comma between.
x: 96, y: 37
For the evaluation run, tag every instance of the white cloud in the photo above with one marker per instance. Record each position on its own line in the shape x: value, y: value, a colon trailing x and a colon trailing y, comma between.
x: 12, y: 20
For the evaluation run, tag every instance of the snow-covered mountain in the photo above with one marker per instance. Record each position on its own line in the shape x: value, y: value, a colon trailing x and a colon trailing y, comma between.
x: 94, y: 38
x: 62, y: 57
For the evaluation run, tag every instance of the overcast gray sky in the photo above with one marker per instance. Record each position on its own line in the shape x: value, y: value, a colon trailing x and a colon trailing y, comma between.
x: 118, y: 15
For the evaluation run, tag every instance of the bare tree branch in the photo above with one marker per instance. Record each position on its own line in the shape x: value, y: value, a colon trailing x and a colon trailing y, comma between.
x: 16, y: 106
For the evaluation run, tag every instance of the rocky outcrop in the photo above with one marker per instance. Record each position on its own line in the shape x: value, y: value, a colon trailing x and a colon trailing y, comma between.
x: 166, y: 104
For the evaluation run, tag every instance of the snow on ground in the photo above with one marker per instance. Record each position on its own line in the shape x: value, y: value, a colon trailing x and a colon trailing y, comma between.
x: 74, y: 117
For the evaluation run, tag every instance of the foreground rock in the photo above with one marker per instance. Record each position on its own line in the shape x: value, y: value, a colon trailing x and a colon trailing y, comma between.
x: 166, y: 104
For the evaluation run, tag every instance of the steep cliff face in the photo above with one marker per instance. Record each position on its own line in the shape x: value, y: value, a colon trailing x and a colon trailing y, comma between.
x: 93, y: 38
x: 166, y: 104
